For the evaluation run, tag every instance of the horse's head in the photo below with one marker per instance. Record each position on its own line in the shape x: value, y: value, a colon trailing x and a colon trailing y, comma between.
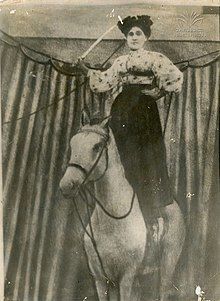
x: 88, y: 161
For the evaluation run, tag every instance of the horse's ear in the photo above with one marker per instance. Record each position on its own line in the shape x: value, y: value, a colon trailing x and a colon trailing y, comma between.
x: 105, y: 121
x: 85, y: 118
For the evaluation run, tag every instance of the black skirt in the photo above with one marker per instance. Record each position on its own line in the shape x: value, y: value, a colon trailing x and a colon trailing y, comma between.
x: 137, y: 130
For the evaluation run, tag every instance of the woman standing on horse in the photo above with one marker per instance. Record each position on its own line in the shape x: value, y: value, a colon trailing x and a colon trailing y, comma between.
x: 145, y: 77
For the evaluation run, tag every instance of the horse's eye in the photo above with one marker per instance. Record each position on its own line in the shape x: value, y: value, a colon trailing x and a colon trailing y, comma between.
x: 97, y: 147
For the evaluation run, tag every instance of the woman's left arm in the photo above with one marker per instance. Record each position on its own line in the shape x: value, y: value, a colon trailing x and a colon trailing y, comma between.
x: 168, y: 77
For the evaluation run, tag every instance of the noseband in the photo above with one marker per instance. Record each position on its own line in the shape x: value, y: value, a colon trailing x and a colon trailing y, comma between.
x: 85, y: 172
x: 78, y: 167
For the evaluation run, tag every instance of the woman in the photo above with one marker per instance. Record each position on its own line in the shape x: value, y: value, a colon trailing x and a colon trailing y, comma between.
x: 145, y: 76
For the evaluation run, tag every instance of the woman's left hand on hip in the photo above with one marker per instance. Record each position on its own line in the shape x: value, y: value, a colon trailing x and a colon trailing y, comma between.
x: 154, y: 93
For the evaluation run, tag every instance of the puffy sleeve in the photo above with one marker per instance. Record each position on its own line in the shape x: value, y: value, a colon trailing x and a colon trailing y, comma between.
x: 106, y: 80
x: 169, y: 77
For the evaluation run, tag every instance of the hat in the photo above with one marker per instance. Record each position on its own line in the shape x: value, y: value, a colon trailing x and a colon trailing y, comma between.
x: 143, y: 22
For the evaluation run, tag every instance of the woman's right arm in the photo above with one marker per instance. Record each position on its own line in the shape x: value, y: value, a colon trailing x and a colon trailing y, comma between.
x: 104, y: 81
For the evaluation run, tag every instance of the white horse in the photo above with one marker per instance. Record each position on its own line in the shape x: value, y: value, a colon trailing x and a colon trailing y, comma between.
x: 115, y: 238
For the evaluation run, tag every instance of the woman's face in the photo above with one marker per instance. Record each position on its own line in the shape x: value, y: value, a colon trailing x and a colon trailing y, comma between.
x: 136, y: 38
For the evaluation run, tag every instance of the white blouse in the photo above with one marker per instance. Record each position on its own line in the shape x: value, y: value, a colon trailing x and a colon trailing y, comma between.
x: 127, y: 69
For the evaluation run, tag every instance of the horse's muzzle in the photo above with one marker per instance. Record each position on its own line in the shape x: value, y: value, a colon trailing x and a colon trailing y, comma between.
x: 71, y: 181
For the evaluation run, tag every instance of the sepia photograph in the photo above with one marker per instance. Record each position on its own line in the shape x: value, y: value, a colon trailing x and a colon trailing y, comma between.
x: 109, y: 150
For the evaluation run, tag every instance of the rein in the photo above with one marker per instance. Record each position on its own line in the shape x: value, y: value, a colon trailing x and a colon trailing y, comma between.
x: 83, y: 196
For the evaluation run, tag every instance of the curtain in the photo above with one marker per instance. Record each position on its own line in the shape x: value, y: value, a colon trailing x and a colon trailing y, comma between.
x: 191, y: 137
x: 44, y: 255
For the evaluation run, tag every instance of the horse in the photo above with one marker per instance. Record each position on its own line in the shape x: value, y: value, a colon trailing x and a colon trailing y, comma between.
x: 115, y: 238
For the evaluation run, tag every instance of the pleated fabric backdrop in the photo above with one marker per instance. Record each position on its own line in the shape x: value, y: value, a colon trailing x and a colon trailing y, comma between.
x: 44, y: 257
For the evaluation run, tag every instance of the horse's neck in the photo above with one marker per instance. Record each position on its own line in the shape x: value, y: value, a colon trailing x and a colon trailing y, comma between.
x: 113, y: 189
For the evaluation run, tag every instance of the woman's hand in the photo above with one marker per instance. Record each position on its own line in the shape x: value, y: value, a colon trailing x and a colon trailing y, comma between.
x: 155, y: 93
x: 82, y: 67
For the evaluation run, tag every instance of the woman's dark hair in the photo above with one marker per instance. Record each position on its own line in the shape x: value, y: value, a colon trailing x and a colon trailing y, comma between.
x: 143, y: 22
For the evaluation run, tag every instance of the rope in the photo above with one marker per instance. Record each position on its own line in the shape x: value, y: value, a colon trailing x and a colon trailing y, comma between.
x: 116, y: 50
x: 106, y: 212
x: 80, y: 219
x: 91, y: 236
x: 199, y: 57
x: 43, y: 107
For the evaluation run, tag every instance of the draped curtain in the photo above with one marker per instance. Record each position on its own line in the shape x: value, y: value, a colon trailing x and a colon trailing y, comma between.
x: 191, y: 137
x: 44, y: 255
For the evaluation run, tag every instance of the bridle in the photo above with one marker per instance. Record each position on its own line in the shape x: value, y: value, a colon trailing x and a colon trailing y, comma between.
x: 88, y: 173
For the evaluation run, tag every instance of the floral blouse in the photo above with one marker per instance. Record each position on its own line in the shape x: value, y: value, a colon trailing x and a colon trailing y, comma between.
x: 138, y: 67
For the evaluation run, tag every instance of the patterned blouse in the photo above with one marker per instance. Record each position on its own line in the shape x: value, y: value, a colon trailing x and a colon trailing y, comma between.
x: 138, y: 67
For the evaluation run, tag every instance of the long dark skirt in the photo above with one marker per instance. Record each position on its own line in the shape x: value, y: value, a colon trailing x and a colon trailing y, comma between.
x: 137, y: 130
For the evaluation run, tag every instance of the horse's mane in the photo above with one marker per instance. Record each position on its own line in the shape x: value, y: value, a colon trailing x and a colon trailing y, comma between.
x: 114, y: 149
x: 96, y: 128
